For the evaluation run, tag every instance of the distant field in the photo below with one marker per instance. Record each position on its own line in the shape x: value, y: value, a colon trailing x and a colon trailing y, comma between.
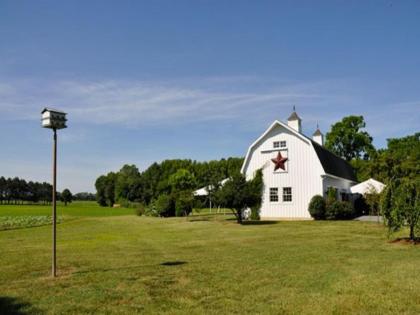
x: 206, y: 264
x: 77, y: 208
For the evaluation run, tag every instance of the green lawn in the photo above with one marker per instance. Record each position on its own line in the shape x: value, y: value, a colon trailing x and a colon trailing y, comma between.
x: 206, y: 264
x: 77, y: 208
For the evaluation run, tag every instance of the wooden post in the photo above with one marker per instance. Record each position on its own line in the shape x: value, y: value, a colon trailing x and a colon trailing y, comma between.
x: 54, y: 208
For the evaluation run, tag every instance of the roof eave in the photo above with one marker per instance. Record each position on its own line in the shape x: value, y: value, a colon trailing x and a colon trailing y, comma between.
x: 338, y: 177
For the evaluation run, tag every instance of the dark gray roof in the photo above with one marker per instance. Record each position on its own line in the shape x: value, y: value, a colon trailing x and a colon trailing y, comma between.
x: 49, y: 109
x: 294, y: 116
x: 317, y: 133
x: 333, y: 164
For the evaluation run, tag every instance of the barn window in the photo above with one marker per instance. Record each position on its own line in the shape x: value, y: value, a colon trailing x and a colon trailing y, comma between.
x: 274, y: 194
x: 287, y: 194
x: 279, y: 144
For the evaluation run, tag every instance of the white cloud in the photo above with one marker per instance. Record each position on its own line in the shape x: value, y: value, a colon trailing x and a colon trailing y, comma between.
x: 147, y: 103
x: 248, y: 101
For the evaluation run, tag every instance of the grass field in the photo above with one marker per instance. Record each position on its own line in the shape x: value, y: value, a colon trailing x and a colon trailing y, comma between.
x: 77, y: 208
x: 126, y: 264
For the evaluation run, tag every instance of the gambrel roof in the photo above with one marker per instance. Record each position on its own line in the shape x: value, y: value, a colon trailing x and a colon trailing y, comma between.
x: 331, y: 163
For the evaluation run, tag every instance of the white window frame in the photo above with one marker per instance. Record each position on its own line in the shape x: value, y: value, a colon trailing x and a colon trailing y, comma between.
x: 274, y: 192
x: 286, y: 195
x: 279, y: 144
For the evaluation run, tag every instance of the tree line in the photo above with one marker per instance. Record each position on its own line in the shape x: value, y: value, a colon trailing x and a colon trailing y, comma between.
x: 131, y: 185
x: 84, y: 196
x: 17, y: 191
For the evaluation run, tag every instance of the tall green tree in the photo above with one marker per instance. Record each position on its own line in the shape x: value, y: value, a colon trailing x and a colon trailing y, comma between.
x: 126, y: 183
x: 347, y: 140
x: 401, y: 206
x: 100, y: 186
x: 238, y: 194
x: 111, y: 179
x: 182, y: 180
x: 66, y: 196
x: 105, y: 189
x: 182, y: 183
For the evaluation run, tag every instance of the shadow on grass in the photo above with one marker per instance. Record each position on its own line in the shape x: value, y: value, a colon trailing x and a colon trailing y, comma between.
x: 197, y: 217
x: 14, y: 306
x: 173, y: 263
x: 120, y: 269
x: 406, y: 240
x: 259, y: 222
x: 200, y: 219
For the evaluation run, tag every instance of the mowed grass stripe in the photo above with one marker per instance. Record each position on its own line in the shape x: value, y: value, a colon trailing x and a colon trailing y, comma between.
x: 76, y: 208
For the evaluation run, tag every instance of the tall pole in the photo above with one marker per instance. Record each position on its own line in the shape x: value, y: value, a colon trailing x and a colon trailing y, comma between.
x: 54, y: 201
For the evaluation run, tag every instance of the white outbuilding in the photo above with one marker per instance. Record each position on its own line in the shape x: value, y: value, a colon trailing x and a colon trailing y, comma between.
x: 204, y: 191
x: 367, y: 187
x: 295, y: 168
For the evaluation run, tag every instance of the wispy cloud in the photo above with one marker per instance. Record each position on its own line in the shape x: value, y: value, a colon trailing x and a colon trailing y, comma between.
x: 143, y: 103
x: 247, y: 101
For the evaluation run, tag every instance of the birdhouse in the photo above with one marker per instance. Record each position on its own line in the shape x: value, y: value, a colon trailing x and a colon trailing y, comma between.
x: 54, y: 119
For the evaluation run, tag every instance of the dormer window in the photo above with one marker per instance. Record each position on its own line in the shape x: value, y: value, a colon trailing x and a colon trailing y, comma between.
x: 279, y: 144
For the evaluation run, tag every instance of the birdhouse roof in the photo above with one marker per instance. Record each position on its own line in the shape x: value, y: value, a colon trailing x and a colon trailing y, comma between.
x: 49, y: 109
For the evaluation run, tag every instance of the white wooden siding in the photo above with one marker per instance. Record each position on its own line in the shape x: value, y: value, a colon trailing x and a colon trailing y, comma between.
x: 303, y: 173
x: 341, y: 184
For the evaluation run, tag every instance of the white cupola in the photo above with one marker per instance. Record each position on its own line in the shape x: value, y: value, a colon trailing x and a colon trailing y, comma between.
x: 294, y: 121
x: 318, y: 137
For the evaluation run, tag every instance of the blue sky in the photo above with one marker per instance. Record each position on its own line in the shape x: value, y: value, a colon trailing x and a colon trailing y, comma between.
x: 147, y: 81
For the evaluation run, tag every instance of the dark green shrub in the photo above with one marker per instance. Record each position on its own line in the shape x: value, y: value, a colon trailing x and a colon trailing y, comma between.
x: 184, y: 204
x: 317, y: 207
x: 331, y: 195
x: 339, y: 210
x: 165, y: 205
x: 151, y: 210
x: 140, y: 209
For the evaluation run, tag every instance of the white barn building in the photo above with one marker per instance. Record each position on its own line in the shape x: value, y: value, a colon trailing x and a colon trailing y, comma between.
x: 295, y: 168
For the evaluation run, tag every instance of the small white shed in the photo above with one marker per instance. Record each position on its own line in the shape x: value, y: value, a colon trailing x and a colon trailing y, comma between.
x: 204, y: 191
x: 368, y: 186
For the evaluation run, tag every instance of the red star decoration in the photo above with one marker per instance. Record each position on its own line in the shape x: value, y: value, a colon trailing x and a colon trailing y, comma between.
x: 279, y: 162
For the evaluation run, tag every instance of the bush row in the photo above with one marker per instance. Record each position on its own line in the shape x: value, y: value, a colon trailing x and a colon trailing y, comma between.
x: 333, y: 210
x: 168, y: 205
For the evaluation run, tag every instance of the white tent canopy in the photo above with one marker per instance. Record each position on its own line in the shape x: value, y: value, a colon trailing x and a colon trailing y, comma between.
x: 368, y: 186
x: 204, y: 191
